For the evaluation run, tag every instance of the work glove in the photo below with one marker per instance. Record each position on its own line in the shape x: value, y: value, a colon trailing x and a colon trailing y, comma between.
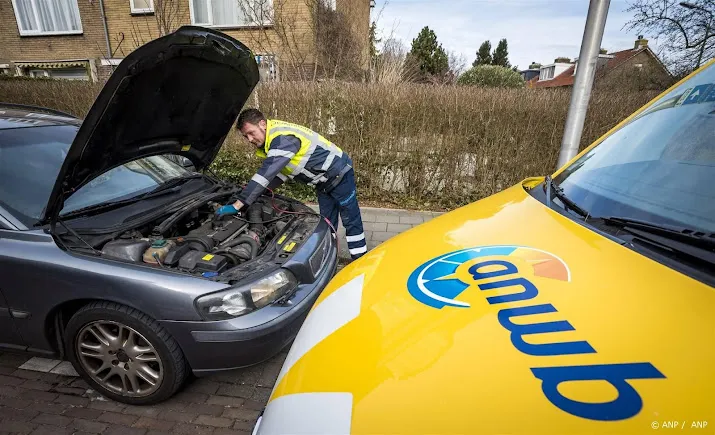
x: 225, y: 210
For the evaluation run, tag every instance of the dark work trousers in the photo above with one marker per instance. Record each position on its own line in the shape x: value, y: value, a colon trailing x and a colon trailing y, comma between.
x: 342, y: 199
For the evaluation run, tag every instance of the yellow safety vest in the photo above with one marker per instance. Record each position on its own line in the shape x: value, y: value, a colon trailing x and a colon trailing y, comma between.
x: 309, y: 140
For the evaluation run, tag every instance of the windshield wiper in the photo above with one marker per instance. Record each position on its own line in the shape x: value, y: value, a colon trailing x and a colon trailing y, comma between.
x: 694, y: 243
x: 165, y: 188
x: 681, y: 234
x: 558, y: 191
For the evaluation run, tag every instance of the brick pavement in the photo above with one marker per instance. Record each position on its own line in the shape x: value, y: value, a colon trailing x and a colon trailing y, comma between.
x: 33, y: 402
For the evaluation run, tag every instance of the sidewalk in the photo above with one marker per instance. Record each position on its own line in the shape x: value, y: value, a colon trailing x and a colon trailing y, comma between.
x: 382, y: 224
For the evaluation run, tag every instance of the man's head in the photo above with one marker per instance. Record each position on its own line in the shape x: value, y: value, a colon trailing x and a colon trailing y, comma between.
x: 252, y: 125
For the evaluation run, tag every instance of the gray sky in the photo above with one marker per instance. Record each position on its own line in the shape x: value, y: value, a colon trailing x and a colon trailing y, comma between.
x: 537, y: 30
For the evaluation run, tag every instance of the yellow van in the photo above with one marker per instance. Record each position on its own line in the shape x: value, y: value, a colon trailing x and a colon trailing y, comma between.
x: 582, y: 302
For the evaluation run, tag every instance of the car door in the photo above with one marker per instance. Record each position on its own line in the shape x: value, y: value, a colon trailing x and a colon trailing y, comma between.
x: 9, y: 336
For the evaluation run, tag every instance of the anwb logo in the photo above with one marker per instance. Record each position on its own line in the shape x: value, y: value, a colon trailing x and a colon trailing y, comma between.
x: 437, y: 285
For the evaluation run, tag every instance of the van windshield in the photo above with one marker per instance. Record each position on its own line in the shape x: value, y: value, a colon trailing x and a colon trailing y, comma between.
x: 660, y: 167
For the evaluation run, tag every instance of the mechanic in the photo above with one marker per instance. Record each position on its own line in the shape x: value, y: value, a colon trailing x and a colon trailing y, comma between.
x: 296, y: 152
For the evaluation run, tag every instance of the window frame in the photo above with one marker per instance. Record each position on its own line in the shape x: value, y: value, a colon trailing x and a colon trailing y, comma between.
x: 254, y: 25
x: 141, y: 11
x: 79, y: 31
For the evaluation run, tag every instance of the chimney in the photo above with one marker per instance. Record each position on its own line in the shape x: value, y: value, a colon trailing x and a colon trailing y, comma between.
x: 640, y: 42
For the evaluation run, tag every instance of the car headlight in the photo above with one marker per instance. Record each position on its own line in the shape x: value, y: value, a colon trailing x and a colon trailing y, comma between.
x: 245, y: 298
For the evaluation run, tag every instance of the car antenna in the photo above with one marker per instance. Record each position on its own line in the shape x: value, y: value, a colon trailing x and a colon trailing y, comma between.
x: 74, y: 233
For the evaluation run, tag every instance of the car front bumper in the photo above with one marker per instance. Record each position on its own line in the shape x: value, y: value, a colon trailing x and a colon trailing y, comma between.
x: 211, y: 347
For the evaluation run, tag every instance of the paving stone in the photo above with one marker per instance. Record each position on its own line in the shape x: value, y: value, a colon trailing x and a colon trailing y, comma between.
x: 13, y: 359
x: 123, y: 430
x: 38, y: 396
x: 50, y: 408
x: 4, y: 370
x: 235, y: 391
x: 12, y: 426
x: 382, y: 236
x: 27, y: 374
x: 116, y: 418
x: 141, y: 411
x: 10, y: 381
x: 398, y: 228
x: 224, y: 431
x: 15, y: 403
x: 72, y: 400
x: 88, y: 425
x: 52, y: 420
x: 214, y: 410
x: 388, y: 218
x: 256, y: 406
x: 9, y: 413
x: 40, y: 364
x: 178, y: 416
x: 243, y: 414
x: 208, y: 420
x: 375, y: 226
x: 65, y: 368
x: 192, y: 429
x: 188, y: 397
x: 51, y: 430
x: 86, y: 413
x: 107, y: 405
x: 261, y: 394
x: 10, y: 391
x: 412, y: 219
x: 154, y: 424
x: 368, y: 216
x: 36, y: 385
x: 246, y: 426
x: 225, y: 401
x: 203, y: 386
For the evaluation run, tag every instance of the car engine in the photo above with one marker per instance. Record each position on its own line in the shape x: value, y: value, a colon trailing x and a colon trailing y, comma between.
x: 196, y: 241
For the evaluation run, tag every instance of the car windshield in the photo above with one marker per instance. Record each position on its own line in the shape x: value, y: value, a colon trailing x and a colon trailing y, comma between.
x: 30, y: 159
x: 659, y: 167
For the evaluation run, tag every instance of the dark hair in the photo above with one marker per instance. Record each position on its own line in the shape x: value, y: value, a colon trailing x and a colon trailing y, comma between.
x: 252, y: 116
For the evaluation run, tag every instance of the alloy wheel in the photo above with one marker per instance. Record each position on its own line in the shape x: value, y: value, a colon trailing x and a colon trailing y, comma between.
x: 119, y: 358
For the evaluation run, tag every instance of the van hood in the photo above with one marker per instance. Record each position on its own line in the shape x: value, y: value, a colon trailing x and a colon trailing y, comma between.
x: 178, y: 94
x: 501, y: 317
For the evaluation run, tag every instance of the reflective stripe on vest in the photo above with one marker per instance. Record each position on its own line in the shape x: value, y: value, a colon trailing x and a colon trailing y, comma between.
x: 309, y: 141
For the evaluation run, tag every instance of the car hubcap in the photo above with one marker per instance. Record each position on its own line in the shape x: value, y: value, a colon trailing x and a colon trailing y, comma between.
x: 119, y: 358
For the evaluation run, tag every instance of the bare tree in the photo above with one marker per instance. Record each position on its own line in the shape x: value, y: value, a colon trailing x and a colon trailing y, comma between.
x: 685, y: 31
x: 169, y: 15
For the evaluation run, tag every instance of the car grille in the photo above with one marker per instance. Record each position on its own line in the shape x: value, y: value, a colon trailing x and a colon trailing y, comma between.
x: 320, y: 256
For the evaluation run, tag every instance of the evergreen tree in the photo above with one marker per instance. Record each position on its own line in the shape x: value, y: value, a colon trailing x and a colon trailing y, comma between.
x: 501, y: 55
x: 428, y: 54
x: 484, y: 56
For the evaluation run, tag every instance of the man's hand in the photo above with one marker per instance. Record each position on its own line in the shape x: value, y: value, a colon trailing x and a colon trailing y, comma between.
x: 229, y: 209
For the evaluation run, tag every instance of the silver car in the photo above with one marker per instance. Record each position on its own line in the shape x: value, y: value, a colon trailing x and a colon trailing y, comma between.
x: 111, y: 254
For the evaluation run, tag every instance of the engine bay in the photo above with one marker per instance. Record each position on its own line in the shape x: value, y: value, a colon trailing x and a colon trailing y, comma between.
x: 194, y: 240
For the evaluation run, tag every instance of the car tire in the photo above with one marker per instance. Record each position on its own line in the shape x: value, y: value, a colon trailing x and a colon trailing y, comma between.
x: 128, y: 348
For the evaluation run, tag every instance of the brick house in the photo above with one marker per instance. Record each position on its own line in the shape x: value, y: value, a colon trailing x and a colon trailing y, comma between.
x: 84, y: 39
x: 638, y: 66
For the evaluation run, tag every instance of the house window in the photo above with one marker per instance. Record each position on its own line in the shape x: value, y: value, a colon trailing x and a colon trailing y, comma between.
x: 231, y: 13
x: 38, y: 73
x: 47, y: 17
x: 141, y: 6
x: 547, y: 73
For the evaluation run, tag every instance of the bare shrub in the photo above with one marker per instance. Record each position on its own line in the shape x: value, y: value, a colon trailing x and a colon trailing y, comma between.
x: 414, y: 146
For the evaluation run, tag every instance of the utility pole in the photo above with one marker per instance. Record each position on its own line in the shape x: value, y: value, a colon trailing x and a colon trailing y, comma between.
x: 581, y: 92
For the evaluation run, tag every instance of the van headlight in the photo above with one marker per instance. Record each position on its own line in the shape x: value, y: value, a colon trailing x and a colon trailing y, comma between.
x: 245, y: 298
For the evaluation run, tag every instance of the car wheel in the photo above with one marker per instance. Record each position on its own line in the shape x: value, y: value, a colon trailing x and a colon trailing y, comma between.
x: 124, y: 354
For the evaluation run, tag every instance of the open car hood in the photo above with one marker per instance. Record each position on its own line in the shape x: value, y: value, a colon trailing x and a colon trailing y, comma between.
x: 178, y: 94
